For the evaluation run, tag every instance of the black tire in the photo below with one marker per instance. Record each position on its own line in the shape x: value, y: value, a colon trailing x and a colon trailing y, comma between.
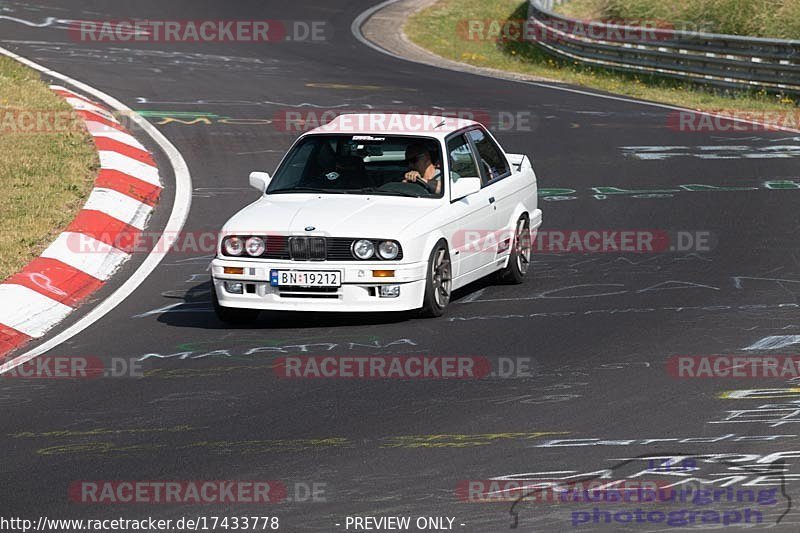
x: 519, y: 261
x: 232, y: 315
x: 439, y: 282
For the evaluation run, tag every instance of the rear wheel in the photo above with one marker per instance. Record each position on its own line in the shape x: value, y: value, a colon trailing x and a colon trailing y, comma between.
x: 439, y: 282
x: 232, y: 315
x: 519, y: 261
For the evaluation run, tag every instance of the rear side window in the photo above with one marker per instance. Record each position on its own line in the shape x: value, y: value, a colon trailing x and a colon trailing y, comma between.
x: 494, y: 165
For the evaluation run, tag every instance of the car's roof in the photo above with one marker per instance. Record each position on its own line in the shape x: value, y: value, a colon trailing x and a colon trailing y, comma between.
x: 393, y: 124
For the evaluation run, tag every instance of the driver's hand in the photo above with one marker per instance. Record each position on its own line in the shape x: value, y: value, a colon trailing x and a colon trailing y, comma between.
x: 411, y: 176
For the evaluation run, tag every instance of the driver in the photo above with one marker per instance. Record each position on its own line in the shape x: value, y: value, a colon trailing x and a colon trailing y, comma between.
x: 422, y: 168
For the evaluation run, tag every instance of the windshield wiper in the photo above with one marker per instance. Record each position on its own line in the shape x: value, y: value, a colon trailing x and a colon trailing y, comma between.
x: 308, y: 189
x: 373, y: 190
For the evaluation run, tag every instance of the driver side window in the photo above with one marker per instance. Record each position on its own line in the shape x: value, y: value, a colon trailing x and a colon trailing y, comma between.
x: 462, y: 164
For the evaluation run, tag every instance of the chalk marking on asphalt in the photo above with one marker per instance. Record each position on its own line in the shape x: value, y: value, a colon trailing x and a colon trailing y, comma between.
x: 277, y: 342
x: 737, y: 281
x: 49, y: 22
x: 99, y: 447
x: 186, y: 307
x: 143, y: 100
x: 773, y: 342
x: 66, y: 433
x: 460, y: 440
x: 295, y: 445
x: 472, y: 297
x: 344, y: 86
x: 173, y: 227
x: 761, y: 394
x: 179, y: 373
x: 713, y: 308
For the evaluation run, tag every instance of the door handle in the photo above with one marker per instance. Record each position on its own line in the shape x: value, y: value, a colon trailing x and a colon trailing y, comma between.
x: 491, y: 199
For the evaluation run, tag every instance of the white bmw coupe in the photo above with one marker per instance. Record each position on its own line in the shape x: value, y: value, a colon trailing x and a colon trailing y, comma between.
x: 378, y: 212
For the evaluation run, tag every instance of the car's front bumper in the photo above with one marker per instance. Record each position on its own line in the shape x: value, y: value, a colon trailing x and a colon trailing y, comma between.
x: 360, y: 290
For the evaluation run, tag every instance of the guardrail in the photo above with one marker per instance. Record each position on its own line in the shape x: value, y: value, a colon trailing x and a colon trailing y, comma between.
x: 720, y: 60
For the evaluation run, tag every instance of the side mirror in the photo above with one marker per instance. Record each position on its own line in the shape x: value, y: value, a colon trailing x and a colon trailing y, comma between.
x: 463, y: 187
x: 260, y: 180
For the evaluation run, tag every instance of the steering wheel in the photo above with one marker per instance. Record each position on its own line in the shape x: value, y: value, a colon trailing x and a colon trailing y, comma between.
x: 420, y: 183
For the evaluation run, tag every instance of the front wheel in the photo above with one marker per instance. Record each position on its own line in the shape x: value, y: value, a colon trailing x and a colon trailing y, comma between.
x: 519, y: 261
x: 232, y: 315
x: 439, y: 282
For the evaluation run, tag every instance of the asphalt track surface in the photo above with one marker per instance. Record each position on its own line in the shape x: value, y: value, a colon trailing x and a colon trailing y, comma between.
x: 598, y: 327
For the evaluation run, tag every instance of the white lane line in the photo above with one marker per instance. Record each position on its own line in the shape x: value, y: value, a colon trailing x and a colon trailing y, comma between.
x: 358, y: 22
x: 177, y: 218
x: 130, y: 166
x: 120, y: 206
x: 87, y: 254
x: 33, y: 313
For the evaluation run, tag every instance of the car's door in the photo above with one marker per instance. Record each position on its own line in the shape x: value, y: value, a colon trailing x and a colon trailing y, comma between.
x: 499, y: 184
x: 473, y: 216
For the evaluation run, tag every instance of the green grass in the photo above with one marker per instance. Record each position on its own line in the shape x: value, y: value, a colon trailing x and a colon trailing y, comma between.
x: 45, y: 176
x: 437, y: 29
x: 757, y: 18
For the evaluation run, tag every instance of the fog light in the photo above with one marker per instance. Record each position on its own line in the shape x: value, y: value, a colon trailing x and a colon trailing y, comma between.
x: 234, y: 287
x: 390, y: 291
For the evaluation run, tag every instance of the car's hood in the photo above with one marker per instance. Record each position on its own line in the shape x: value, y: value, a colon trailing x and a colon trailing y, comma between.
x: 336, y: 215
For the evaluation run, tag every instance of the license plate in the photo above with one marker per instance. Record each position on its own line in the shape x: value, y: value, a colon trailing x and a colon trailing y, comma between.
x: 305, y: 278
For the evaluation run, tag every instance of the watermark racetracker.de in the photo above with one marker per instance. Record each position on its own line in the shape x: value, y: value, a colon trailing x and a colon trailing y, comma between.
x: 403, y: 367
x: 199, y: 31
x: 202, y: 492
x: 76, y: 367
x: 586, y: 241
x: 734, y: 366
x: 407, y: 119
x: 607, y: 29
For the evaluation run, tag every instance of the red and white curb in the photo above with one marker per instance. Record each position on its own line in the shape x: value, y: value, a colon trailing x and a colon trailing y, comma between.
x: 84, y: 257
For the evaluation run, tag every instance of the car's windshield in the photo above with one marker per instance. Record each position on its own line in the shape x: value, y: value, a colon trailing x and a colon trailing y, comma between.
x: 362, y: 164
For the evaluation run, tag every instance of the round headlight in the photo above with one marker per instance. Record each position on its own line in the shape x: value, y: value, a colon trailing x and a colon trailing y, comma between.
x: 388, y: 250
x: 233, y: 246
x: 255, y: 246
x: 363, y: 249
